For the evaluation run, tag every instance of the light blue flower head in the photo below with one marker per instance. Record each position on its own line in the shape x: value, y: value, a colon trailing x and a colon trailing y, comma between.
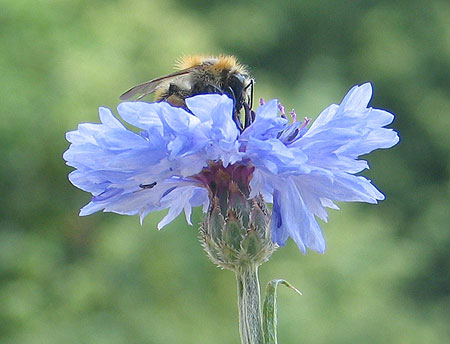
x: 169, y: 164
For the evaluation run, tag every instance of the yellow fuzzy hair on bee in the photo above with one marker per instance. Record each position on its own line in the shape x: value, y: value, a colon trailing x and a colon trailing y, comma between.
x: 219, y: 63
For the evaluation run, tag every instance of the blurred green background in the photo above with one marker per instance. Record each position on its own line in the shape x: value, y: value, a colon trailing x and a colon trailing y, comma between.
x: 106, y: 279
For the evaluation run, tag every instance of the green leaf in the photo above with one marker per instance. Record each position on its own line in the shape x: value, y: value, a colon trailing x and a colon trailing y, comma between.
x: 270, y: 310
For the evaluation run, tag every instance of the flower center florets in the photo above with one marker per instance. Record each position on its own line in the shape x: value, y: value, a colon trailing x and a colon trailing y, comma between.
x: 219, y: 179
x: 294, y: 130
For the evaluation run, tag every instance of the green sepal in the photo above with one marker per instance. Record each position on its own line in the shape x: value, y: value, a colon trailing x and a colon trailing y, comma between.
x: 252, y: 244
x: 211, y: 248
x: 230, y: 255
x: 216, y: 224
x: 259, y: 219
x: 270, y: 310
x: 238, y: 201
x: 233, y: 232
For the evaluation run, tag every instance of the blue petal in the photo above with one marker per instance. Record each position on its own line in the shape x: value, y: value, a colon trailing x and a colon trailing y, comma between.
x: 293, y: 219
x: 216, y: 113
x: 178, y: 200
x: 108, y: 119
x: 267, y: 122
x: 358, y: 97
x: 207, y: 106
x: 141, y: 114
x: 274, y: 156
x: 112, y: 161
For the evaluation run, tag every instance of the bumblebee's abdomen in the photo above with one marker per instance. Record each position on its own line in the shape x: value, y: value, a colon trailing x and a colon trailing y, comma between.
x: 174, y: 95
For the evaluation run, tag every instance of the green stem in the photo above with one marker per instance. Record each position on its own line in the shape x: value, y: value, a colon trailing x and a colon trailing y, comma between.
x: 249, y: 303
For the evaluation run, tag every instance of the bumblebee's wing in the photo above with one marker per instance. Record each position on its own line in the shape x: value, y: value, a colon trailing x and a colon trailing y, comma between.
x: 151, y: 86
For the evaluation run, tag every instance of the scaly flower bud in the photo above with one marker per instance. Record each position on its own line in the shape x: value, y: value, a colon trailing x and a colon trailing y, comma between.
x: 236, y: 228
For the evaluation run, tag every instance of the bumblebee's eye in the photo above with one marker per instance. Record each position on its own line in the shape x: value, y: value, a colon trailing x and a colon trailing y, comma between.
x: 236, y: 90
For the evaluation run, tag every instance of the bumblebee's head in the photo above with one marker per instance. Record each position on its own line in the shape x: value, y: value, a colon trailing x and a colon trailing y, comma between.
x: 240, y: 89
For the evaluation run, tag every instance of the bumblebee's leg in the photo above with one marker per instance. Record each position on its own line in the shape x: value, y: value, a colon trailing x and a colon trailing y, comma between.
x: 236, y: 118
x: 249, y: 115
x: 232, y: 96
x: 250, y: 84
x: 173, y: 89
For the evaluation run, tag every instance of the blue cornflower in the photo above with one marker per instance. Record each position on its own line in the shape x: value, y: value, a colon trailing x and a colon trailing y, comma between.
x: 169, y: 163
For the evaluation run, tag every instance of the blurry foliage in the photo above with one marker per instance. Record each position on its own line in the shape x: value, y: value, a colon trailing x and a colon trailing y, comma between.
x: 106, y: 279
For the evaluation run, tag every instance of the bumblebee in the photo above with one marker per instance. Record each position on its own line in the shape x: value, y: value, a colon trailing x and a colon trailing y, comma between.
x: 203, y: 75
